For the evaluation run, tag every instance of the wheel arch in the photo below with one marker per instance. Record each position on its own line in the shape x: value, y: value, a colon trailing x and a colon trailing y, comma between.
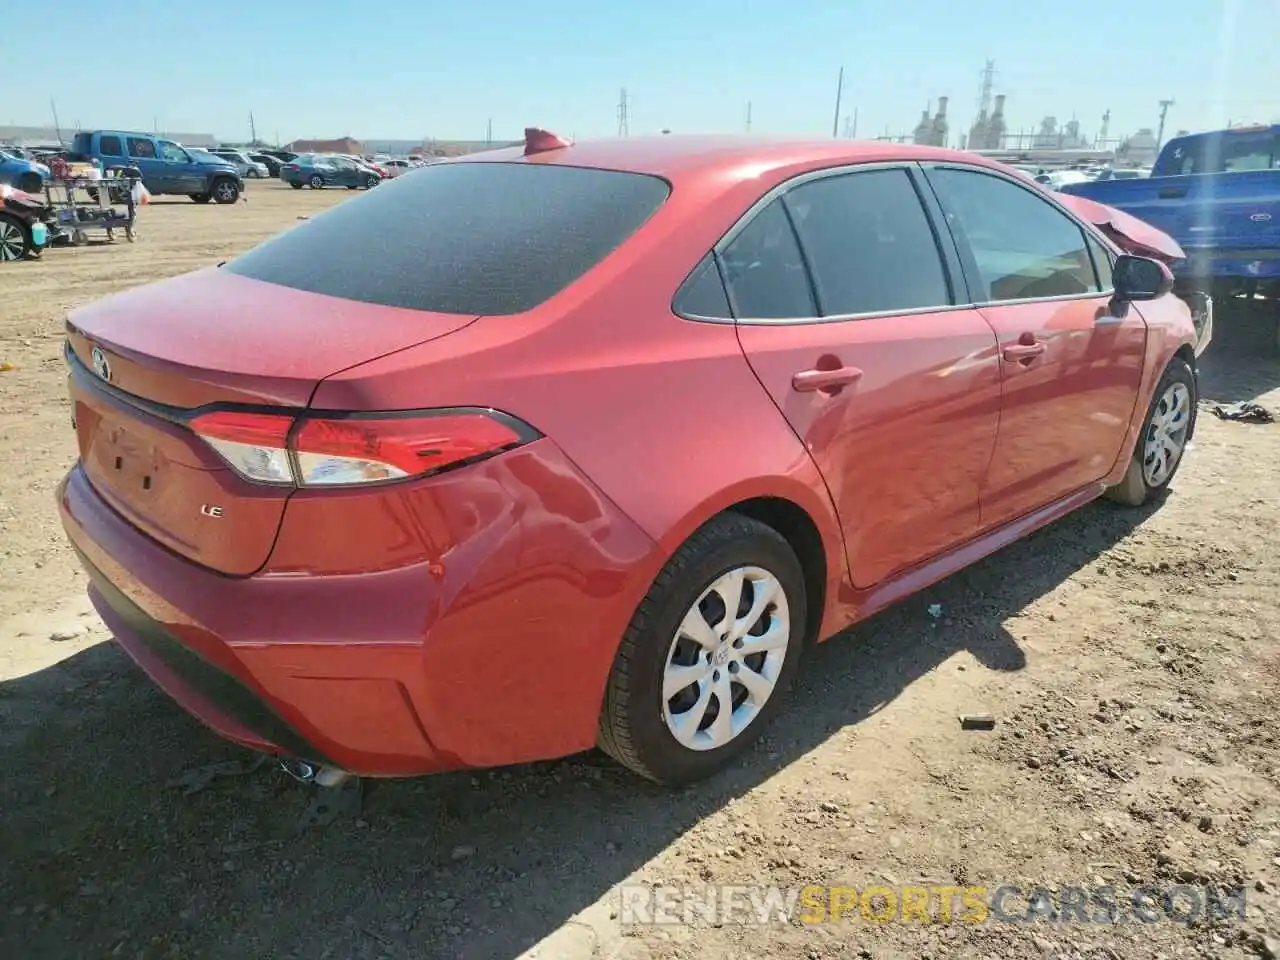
x: 802, y: 513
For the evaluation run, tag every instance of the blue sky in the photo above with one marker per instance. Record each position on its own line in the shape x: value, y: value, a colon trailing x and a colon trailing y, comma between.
x: 372, y: 68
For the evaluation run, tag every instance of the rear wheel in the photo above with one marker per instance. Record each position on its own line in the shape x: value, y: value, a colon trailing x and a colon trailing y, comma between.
x: 296, y: 186
x: 708, y: 655
x: 1167, y: 429
x: 15, y: 239
x: 317, y: 181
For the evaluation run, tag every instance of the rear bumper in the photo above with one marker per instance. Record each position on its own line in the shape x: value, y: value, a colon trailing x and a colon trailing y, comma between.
x: 495, y: 653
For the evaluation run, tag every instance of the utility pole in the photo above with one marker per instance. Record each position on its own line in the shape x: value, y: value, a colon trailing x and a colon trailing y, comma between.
x: 835, y: 123
x: 624, y: 127
x: 1164, y: 109
x: 748, y: 116
x: 56, y: 125
x: 488, y: 134
x: 853, y: 134
x: 253, y: 131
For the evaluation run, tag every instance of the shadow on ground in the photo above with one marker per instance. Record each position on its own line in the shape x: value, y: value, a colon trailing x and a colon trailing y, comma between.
x: 100, y: 854
x: 1243, y: 361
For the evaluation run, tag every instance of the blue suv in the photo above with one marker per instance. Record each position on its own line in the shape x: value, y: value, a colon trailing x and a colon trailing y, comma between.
x: 166, y: 167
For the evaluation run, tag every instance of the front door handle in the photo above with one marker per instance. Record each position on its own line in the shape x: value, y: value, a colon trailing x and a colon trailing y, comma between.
x: 1021, y: 352
x: 807, y: 381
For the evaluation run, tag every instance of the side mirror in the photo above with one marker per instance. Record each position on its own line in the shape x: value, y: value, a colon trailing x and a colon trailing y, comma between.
x: 1139, y: 278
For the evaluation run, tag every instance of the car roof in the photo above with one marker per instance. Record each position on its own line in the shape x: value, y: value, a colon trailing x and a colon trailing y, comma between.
x: 676, y: 157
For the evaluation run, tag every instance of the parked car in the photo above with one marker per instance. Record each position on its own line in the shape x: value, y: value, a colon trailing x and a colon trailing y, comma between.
x: 24, y: 174
x: 1123, y: 173
x: 166, y: 167
x: 284, y: 156
x: 273, y: 164
x: 395, y: 167
x: 24, y: 224
x: 1218, y: 195
x: 248, y: 167
x: 592, y: 446
x: 318, y: 170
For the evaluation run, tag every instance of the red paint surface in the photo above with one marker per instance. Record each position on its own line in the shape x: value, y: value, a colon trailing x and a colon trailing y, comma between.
x: 471, y: 618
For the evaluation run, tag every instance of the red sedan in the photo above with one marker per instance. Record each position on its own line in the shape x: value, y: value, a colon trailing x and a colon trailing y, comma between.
x: 584, y: 444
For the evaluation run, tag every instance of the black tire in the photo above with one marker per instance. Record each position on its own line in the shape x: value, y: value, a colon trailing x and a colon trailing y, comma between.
x: 632, y: 728
x: 201, y: 197
x: 371, y: 182
x: 225, y: 190
x: 1136, y: 488
x: 15, y: 239
x: 30, y: 183
x: 296, y: 186
x: 317, y: 181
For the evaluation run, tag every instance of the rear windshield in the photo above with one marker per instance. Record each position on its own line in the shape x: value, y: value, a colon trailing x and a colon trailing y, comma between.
x: 470, y: 238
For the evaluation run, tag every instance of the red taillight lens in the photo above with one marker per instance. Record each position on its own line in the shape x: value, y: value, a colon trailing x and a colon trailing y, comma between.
x: 338, y: 451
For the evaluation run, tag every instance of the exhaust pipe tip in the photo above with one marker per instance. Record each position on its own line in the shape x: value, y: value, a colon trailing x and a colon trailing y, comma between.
x: 305, y: 771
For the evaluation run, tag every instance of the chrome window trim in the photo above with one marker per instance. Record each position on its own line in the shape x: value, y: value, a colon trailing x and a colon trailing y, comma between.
x: 824, y: 173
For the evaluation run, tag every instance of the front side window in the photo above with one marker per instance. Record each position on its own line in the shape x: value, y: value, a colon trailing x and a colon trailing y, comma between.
x: 171, y: 151
x: 869, y: 243
x: 1024, y: 248
x: 765, y: 271
x: 1103, y: 262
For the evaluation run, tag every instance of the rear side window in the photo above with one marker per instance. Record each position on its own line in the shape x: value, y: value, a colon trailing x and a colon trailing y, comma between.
x: 141, y: 148
x: 765, y: 270
x: 468, y: 238
x: 1226, y: 153
x: 110, y: 147
x: 869, y: 243
x: 1024, y: 247
x: 703, y: 294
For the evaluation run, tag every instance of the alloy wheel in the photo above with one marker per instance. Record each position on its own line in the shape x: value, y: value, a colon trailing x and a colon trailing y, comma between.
x: 725, y: 659
x: 1166, y: 435
x: 225, y: 191
x: 13, y: 244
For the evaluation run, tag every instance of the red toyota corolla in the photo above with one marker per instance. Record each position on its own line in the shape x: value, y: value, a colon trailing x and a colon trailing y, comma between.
x: 584, y: 444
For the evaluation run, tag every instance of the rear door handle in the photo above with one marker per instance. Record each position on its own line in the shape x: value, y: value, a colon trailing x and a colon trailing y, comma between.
x: 807, y: 381
x: 1018, y: 352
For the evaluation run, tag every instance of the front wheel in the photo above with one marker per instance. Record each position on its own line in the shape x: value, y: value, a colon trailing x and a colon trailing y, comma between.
x: 708, y: 655
x: 226, y: 191
x: 1166, y: 431
x: 15, y: 239
x: 371, y: 182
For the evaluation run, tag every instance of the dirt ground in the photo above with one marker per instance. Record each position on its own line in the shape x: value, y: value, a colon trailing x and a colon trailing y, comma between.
x: 1131, y: 660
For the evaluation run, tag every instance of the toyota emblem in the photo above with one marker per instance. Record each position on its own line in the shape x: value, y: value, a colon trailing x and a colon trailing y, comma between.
x: 100, y: 365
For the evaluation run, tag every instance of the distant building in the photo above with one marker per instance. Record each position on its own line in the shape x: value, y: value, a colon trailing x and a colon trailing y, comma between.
x: 932, y: 132
x: 987, y: 132
x: 1139, y: 148
x: 339, y: 145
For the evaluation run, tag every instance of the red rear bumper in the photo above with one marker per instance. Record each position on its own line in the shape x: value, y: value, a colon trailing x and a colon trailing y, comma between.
x: 487, y: 649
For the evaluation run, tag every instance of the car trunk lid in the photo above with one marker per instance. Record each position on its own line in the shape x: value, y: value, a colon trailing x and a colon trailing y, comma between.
x: 143, y: 361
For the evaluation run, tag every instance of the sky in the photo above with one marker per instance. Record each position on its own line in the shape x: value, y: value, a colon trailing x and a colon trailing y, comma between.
x: 376, y: 70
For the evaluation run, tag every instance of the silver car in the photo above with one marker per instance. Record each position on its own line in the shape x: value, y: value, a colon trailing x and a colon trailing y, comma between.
x: 250, y: 169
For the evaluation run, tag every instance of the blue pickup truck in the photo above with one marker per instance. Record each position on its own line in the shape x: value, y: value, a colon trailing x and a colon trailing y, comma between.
x: 166, y: 167
x: 1218, y: 195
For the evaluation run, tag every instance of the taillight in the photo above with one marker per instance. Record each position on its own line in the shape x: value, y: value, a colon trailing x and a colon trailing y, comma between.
x: 316, y: 451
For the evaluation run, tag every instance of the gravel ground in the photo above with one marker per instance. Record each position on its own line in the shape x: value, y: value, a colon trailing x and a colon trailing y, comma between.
x: 1131, y: 660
